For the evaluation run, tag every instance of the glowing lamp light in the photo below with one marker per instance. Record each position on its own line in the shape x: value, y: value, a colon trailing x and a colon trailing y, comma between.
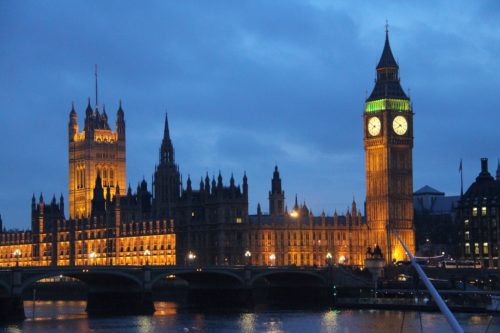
x: 147, y: 252
x: 329, y: 256
x: 248, y: 254
x: 191, y: 256
x: 294, y: 213
x: 342, y: 259
x: 272, y: 257
x: 17, y: 254
x: 92, y: 255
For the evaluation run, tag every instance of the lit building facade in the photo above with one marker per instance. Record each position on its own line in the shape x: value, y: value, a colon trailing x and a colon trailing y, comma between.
x: 211, y: 225
x: 95, y: 150
x: 388, y: 141
x: 478, y: 219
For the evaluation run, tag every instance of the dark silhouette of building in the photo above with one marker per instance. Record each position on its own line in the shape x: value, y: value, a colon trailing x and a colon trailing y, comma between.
x: 435, y: 223
x: 478, y: 218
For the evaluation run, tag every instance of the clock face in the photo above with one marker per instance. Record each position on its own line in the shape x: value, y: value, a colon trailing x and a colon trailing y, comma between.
x: 374, y: 126
x: 400, y: 125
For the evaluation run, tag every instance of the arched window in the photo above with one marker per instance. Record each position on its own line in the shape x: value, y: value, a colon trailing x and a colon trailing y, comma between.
x: 111, y: 177
x: 105, y: 176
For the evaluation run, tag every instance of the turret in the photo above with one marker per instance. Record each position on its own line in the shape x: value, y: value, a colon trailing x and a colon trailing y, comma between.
x: 33, y: 203
x: 61, y: 204
x: 498, y: 170
x: 73, y: 123
x: 98, y: 202
x: 1, y: 224
x: 120, y: 123
x: 88, y: 118
x: 207, y: 184
x: 219, y: 182
x: 189, y: 189
x: 276, y: 195
x: 353, y: 207
x: 245, y: 185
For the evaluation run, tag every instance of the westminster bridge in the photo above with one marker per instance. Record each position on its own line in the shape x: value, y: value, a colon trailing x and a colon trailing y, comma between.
x: 129, y: 289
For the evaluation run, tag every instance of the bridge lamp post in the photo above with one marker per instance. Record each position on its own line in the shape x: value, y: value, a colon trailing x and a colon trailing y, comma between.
x: 329, y: 258
x: 272, y: 259
x: 17, y: 254
x: 191, y: 257
x: 248, y: 255
x: 147, y: 253
x: 92, y: 256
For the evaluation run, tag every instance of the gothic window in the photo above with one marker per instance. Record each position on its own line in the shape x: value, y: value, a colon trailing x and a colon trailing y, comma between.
x: 105, y: 176
x: 111, y: 177
x: 485, y: 248
x: 474, y: 211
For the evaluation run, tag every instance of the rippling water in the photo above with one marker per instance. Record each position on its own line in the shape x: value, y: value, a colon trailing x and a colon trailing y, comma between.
x: 67, y: 316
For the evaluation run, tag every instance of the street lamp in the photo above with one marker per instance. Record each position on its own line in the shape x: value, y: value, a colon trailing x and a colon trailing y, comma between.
x: 329, y: 258
x: 147, y: 253
x: 92, y: 256
x: 248, y: 255
x: 272, y: 258
x: 191, y: 257
x: 17, y: 254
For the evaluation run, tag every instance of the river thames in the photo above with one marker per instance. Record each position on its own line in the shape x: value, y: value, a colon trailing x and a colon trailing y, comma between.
x: 67, y: 316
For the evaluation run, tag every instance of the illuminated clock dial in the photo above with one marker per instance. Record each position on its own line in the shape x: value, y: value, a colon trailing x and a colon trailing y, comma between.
x: 400, y: 125
x: 374, y: 126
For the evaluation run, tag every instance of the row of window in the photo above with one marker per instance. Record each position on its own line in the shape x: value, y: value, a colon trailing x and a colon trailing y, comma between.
x: 476, y: 248
x: 484, y: 211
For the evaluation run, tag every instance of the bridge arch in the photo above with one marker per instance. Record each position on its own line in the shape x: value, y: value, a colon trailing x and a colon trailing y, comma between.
x: 277, y: 274
x: 192, y: 275
x: 88, y: 277
x: 4, y: 287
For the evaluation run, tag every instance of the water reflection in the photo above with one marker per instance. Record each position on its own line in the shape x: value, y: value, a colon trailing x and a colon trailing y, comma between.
x: 329, y: 321
x: 247, y: 322
x: 67, y: 316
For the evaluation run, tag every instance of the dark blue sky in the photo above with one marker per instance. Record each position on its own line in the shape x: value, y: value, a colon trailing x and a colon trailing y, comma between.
x: 246, y: 84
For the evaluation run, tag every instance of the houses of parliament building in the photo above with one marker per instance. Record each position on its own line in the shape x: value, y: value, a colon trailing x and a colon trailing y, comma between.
x: 208, y: 223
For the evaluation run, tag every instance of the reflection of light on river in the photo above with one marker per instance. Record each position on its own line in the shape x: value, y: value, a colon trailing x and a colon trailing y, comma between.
x: 247, y: 322
x: 329, y: 321
x: 165, y: 308
x: 144, y: 324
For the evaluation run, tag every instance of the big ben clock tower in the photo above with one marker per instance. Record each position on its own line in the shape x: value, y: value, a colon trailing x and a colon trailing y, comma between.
x: 388, y: 140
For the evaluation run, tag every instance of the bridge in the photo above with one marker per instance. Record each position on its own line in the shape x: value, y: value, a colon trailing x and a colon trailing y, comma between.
x: 129, y: 289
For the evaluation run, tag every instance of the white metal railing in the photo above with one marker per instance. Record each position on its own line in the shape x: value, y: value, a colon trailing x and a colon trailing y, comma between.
x: 437, y: 298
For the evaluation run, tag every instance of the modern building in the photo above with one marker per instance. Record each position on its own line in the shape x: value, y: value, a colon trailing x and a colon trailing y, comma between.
x: 178, y: 224
x: 478, y: 219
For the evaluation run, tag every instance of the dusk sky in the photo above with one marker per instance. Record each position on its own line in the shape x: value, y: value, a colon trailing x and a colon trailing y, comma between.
x: 246, y: 84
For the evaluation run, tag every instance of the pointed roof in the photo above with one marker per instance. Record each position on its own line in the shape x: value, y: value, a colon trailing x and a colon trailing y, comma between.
x: 166, y: 131
x: 387, y: 58
x: 387, y: 84
x: 427, y: 190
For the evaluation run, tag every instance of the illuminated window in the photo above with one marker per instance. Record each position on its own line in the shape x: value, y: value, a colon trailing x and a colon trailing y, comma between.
x: 483, y: 211
x: 239, y: 220
x: 192, y: 214
x: 476, y: 248
x: 474, y: 211
x: 485, y: 248
x: 467, y: 235
x: 466, y: 222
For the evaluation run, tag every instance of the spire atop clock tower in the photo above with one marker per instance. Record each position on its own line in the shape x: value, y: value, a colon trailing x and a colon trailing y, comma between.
x: 387, y: 84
